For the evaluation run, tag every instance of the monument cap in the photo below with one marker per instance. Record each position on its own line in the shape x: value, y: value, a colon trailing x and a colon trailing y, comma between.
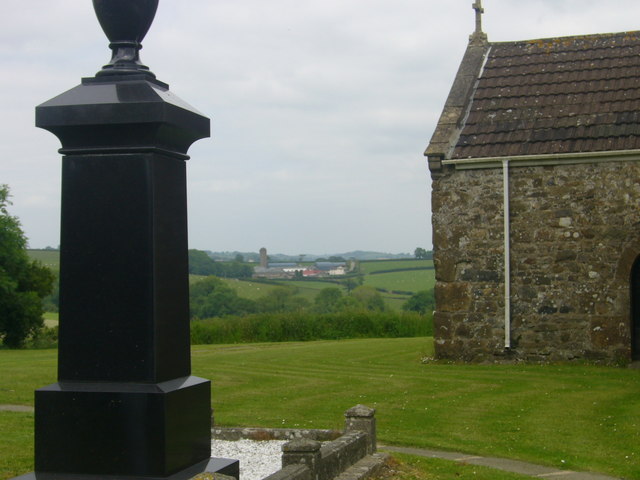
x: 125, y: 22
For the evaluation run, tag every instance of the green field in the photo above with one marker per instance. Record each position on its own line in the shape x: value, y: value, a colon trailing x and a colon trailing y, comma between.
x: 576, y: 417
x: 249, y: 289
x: 406, y: 281
x: 49, y: 258
x: 372, y: 266
x: 255, y: 289
x: 50, y: 319
x: 309, y: 288
x: 394, y: 302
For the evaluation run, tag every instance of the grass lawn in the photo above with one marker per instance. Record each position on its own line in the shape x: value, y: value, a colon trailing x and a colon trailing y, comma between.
x: 410, y: 467
x: 576, y: 417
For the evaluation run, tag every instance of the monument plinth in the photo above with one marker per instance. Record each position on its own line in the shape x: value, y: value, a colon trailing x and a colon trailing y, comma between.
x: 125, y: 404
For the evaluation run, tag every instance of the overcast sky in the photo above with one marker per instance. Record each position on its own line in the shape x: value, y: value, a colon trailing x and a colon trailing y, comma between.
x: 320, y: 109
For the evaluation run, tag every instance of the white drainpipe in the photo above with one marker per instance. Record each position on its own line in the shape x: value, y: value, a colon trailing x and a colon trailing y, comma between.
x: 507, y: 255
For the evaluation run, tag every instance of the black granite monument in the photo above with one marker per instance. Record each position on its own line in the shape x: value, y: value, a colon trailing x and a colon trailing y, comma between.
x: 125, y: 404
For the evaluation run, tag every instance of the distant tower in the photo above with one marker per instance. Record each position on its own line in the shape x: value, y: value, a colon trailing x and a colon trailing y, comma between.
x: 263, y: 258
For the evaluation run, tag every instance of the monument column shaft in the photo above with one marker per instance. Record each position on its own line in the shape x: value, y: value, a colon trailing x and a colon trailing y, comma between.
x: 125, y: 403
x: 124, y: 269
x: 125, y: 406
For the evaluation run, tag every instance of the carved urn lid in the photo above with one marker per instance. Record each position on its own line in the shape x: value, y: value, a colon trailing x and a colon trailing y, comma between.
x: 125, y: 22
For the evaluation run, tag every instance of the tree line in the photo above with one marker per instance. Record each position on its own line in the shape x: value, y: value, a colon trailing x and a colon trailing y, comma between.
x: 220, y: 315
x: 212, y: 297
x: 300, y: 327
x: 201, y: 264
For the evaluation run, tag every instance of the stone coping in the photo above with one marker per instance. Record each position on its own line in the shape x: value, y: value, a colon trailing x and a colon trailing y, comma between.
x: 16, y: 408
x: 258, y: 433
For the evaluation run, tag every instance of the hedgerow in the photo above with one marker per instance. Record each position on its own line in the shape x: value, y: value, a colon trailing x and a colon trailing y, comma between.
x: 305, y: 326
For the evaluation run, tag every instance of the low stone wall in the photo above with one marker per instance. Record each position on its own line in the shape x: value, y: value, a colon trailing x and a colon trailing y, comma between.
x: 292, y: 472
x: 343, y: 452
x: 316, y: 454
x: 329, y: 460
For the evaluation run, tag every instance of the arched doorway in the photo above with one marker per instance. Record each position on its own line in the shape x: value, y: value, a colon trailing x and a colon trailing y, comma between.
x: 635, y: 310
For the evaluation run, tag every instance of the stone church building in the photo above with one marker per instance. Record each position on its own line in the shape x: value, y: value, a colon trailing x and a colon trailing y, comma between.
x: 535, y: 164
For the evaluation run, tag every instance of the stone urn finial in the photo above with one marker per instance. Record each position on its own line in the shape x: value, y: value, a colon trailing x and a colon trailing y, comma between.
x: 125, y: 22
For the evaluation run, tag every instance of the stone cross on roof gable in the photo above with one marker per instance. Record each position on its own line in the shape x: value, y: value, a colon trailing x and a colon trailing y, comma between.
x: 478, y: 35
x: 477, y: 6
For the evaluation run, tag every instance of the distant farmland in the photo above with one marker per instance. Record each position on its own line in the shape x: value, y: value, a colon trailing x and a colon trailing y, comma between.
x: 380, y: 266
x: 49, y: 258
x: 396, y: 280
x: 402, y: 281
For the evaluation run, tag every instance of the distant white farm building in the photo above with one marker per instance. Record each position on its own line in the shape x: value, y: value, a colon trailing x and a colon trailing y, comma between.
x: 297, y: 268
x: 290, y: 270
x: 341, y: 270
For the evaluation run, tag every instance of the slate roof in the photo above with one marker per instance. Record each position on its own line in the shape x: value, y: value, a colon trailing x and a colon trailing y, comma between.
x: 549, y: 96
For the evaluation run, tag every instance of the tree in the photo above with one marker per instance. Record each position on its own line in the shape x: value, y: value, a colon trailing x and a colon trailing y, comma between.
x: 282, y: 299
x: 421, y: 302
x: 212, y: 297
x: 200, y: 263
x: 23, y: 282
x: 421, y: 253
x: 51, y: 303
x: 369, y: 297
x: 328, y: 300
x: 350, y: 283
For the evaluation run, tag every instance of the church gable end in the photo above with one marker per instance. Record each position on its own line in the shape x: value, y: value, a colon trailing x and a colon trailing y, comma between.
x: 547, y: 131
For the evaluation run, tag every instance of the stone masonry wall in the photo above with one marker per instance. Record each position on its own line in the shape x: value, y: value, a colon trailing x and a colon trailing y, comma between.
x: 574, y: 237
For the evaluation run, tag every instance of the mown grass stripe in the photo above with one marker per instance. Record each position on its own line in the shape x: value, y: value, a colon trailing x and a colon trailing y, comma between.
x: 577, y: 417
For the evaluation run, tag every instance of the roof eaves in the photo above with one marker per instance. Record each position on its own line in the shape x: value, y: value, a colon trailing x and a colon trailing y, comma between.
x: 571, y: 158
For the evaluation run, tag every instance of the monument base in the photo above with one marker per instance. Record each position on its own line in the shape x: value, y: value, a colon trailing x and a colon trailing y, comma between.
x: 224, y: 466
x: 128, y: 430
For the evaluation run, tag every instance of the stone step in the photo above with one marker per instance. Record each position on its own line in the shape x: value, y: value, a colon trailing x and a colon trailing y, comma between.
x: 368, y: 467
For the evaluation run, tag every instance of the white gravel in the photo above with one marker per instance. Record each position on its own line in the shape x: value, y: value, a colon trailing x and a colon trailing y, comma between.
x: 258, y: 459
